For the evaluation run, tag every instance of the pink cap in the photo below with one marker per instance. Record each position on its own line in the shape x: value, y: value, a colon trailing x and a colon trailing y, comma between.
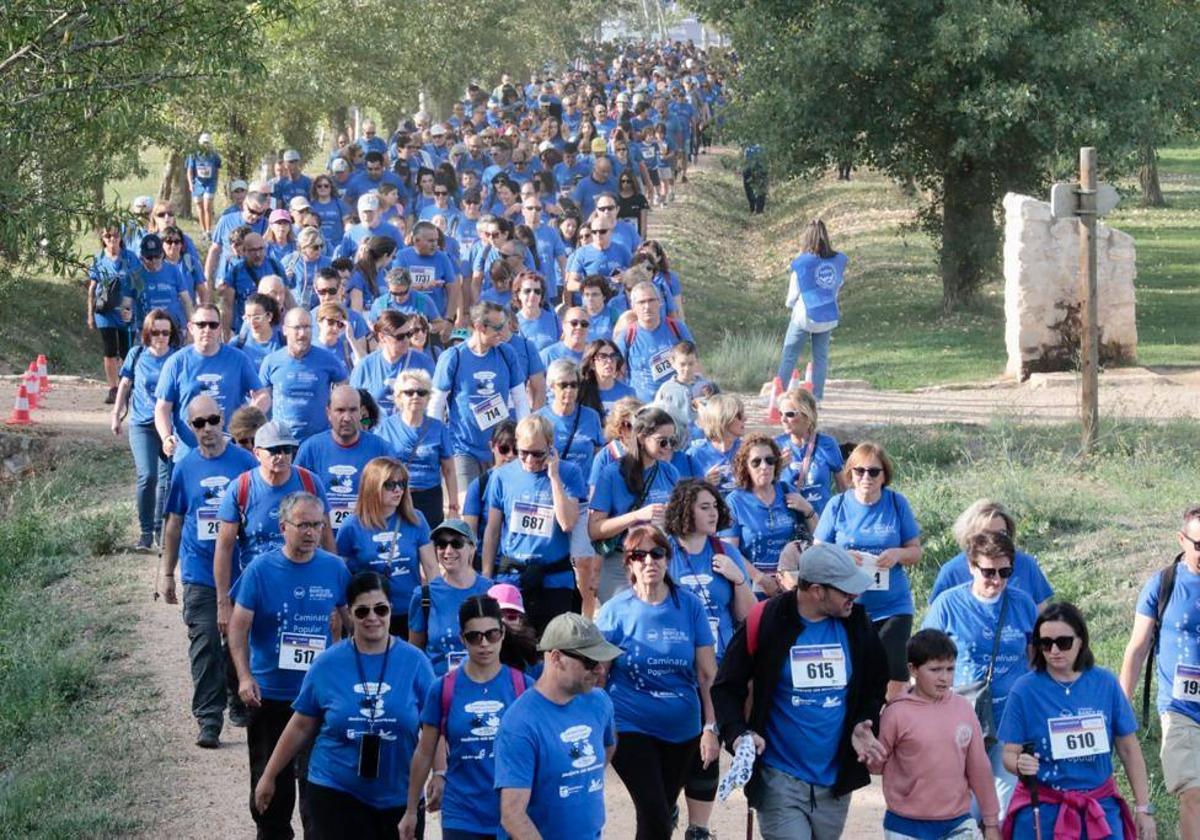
x: 508, y: 596
x: 280, y: 216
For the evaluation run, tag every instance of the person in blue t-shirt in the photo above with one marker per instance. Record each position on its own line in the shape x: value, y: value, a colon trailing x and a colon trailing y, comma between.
x: 293, y: 182
x: 558, y: 738
x: 603, y: 256
x: 816, y: 279
x: 339, y: 456
x: 189, y: 539
x: 972, y: 614
x: 423, y: 444
x: 112, y: 317
x: 290, y: 607
x: 578, y: 430
x: 987, y: 515
x: 433, y: 608
x: 812, y: 460
x: 660, y: 685
x: 260, y: 335
x: 135, y: 398
x: 378, y: 370
x: 1074, y: 713
x: 203, y: 167
x: 533, y: 505
x: 535, y: 319
x: 252, y: 213
x: 467, y: 708
x: 401, y: 298
x: 158, y: 284
x: 647, y: 344
x: 722, y: 421
x: 300, y: 378
x: 631, y: 491
x: 432, y: 271
x: 359, y: 707
x: 876, y: 524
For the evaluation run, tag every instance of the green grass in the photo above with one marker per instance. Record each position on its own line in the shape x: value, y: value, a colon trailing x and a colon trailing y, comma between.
x: 66, y: 748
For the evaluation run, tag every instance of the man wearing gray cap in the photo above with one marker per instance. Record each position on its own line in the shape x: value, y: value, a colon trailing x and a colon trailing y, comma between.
x: 557, y: 740
x: 293, y: 182
x: 819, y: 676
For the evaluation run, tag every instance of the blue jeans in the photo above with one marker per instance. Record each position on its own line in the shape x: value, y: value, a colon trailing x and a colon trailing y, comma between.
x: 153, y: 476
x: 793, y: 343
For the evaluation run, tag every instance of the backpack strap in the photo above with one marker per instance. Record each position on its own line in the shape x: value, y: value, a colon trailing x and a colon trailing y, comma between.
x: 306, y: 480
x: 448, y: 683
x: 717, y: 546
x: 426, y: 605
x: 753, y: 622
x: 674, y: 326
x: 1166, y: 586
x: 518, y: 680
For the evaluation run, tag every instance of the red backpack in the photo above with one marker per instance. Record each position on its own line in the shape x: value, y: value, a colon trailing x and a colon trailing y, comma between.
x: 243, y: 489
x: 631, y: 331
x: 518, y: 681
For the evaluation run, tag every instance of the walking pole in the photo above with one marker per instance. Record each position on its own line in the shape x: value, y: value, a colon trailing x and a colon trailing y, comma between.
x: 749, y: 822
x: 1031, y: 783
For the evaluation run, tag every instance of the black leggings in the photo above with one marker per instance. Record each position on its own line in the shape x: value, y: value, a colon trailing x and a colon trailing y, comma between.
x: 429, y: 502
x: 700, y: 783
x: 653, y: 772
x: 340, y: 816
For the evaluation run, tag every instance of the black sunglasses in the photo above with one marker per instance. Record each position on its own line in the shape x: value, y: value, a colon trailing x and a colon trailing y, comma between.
x: 451, y: 542
x: 640, y: 554
x: 474, y: 637
x: 1061, y: 642
x: 415, y: 392
x: 504, y: 449
x: 362, y: 610
x: 874, y: 472
x: 532, y: 453
x: 199, y: 423
x: 1004, y: 573
x: 212, y: 325
x: 1195, y: 543
x: 246, y: 441
x: 394, y: 485
x: 769, y: 460
x: 587, y: 662
x: 279, y: 450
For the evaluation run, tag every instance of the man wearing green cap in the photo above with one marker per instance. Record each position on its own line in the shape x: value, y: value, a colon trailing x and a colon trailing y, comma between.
x: 557, y: 740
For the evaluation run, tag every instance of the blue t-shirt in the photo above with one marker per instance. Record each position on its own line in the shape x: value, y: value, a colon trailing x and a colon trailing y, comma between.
x: 543, y: 330
x: 818, y: 282
x: 393, y: 552
x: 378, y: 375
x: 971, y: 623
x: 197, y: 486
x: 104, y: 267
x: 332, y: 213
x: 648, y: 355
x: 292, y: 603
x: 694, y: 572
x: 613, y: 497
x: 143, y: 368
x: 889, y: 523
x: 340, y: 468
x: 528, y: 359
x: 437, y: 266
x: 619, y: 390
x: 590, y: 259
x: 254, y: 349
x: 706, y: 456
x: 557, y: 351
x: 422, y: 449
x: 260, y: 532
x: 817, y: 484
x: 159, y: 290
x: 584, y: 423
x: 1179, y: 641
x: 337, y: 693
x: 227, y: 376
x: 808, y: 712
x: 442, y: 642
x: 1027, y: 576
x: 475, y: 717
x: 557, y: 754
x: 300, y: 388
x: 477, y: 389
x: 204, y: 167
x: 762, y: 530
x: 530, y: 531
x: 417, y: 303
x: 653, y: 684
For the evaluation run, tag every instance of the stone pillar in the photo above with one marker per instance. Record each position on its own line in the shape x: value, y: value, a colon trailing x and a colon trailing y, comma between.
x: 1043, y: 295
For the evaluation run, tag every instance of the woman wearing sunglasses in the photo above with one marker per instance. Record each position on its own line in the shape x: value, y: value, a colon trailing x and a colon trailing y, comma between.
x: 814, y: 459
x: 378, y: 370
x: 660, y: 684
x: 361, y: 701
x: 423, y: 444
x: 387, y: 535
x: 466, y: 707
x: 876, y: 525
x: 135, y: 399
x: 767, y: 512
x: 331, y: 320
x: 602, y: 376
x: 536, y: 321
x: 722, y: 419
x: 578, y: 432
x: 1073, y: 713
x: 433, y: 610
x: 977, y: 614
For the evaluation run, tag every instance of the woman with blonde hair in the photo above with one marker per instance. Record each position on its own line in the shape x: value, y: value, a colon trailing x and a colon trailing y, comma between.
x: 387, y: 535
x: 302, y: 265
x: 988, y: 515
x: 423, y: 444
x: 812, y: 460
x: 722, y: 419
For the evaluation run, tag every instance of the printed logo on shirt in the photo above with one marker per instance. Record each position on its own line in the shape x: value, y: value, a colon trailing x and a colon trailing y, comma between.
x: 962, y: 735
x: 486, y: 382
x: 566, y: 790
x: 486, y: 717
x: 826, y: 276
x: 372, y: 702
x: 582, y: 753
x: 212, y: 385
x: 298, y: 593
x: 596, y: 785
x: 342, y: 481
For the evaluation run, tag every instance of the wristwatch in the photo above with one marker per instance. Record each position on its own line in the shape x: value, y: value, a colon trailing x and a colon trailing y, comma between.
x: 710, y: 727
x: 1149, y: 810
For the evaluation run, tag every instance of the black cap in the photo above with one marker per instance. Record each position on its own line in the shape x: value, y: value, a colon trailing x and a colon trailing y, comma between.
x: 152, y: 245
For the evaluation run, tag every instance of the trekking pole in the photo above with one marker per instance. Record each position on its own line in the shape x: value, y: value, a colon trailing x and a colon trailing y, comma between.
x: 1031, y: 783
x: 749, y: 822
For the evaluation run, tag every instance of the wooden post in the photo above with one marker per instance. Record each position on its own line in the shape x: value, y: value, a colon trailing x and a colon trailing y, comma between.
x: 1090, y: 335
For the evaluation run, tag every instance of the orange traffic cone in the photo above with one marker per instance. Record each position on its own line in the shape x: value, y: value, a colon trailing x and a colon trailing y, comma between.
x: 43, y: 370
x: 807, y: 385
x: 795, y: 381
x: 20, y: 413
x: 773, y: 415
x: 31, y: 387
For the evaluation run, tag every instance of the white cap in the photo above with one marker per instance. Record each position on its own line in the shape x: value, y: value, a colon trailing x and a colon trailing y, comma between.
x: 291, y: 155
x: 298, y: 202
x: 260, y: 187
x: 421, y: 117
x: 340, y: 165
x: 368, y: 201
x: 546, y: 146
x: 438, y: 130
x: 237, y: 184
x: 205, y: 138
x: 142, y: 203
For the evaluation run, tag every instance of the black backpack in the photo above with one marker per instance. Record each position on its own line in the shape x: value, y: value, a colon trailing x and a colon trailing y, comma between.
x: 1166, y: 585
x: 108, y: 293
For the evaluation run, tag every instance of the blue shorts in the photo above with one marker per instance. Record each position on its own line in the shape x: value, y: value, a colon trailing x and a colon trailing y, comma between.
x: 202, y: 189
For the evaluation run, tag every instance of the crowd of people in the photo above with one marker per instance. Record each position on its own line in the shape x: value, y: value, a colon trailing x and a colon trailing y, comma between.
x: 460, y: 521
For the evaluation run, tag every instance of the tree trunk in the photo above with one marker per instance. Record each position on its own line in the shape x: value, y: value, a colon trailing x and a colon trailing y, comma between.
x: 1148, y: 179
x: 174, y: 186
x: 239, y: 158
x: 970, y: 239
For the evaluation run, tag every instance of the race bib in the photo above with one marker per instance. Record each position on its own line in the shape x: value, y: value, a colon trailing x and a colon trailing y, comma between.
x: 1186, y: 685
x: 660, y: 364
x: 455, y: 658
x: 421, y: 274
x: 881, y: 578
x: 714, y: 624
x: 339, y: 512
x: 207, y: 524
x: 298, y: 650
x: 1078, y: 736
x: 818, y: 666
x: 203, y: 171
x: 490, y: 412
x: 533, y: 520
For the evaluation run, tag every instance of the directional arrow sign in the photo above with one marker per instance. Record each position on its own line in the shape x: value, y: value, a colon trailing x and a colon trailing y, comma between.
x: 1064, y: 200
x: 1107, y: 198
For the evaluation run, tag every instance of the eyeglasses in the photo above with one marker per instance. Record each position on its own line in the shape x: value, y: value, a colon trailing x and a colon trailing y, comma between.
x: 399, y: 336
x: 493, y: 327
x: 1195, y: 543
x: 327, y: 290
x: 337, y: 325
x: 362, y: 610
x: 420, y: 330
x: 640, y: 554
x: 789, y: 415
x: 1061, y: 642
x: 769, y: 460
x: 504, y: 449
x: 450, y: 542
x: 533, y: 207
x: 165, y: 214
x: 607, y: 357
x: 160, y: 333
x: 172, y: 242
x: 314, y: 525
x: 530, y: 292
x: 474, y: 637
x: 601, y: 231
x: 392, y: 484
x: 207, y: 325
x: 532, y: 453
x: 415, y: 392
x: 664, y: 442
x: 572, y: 385
x: 258, y: 250
x: 256, y: 214
x: 199, y: 423
x: 587, y: 662
x: 580, y: 323
x: 873, y: 472
x: 279, y: 450
x: 605, y: 208
x: 1004, y: 573
x: 440, y: 192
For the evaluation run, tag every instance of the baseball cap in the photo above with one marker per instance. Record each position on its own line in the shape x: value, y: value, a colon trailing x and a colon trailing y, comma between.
x: 458, y: 149
x: 576, y: 634
x: 277, y: 215
x: 298, y: 203
x: 291, y: 155
x: 368, y: 201
x: 438, y: 130
x: 454, y: 526
x: 339, y: 165
x: 599, y: 147
x: 274, y: 433
x: 142, y: 204
x: 833, y: 566
x: 237, y: 184
x: 508, y: 596
x: 260, y: 187
x: 546, y: 146
x: 571, y: 148
x: 152, y: 245
x: 205, y: 138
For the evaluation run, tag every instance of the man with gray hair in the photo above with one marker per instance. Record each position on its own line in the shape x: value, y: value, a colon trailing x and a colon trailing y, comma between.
x: 253, y: 214
x: 646, y: 344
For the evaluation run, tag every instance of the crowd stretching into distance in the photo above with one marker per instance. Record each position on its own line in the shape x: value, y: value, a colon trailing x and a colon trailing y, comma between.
x: 460, y: 520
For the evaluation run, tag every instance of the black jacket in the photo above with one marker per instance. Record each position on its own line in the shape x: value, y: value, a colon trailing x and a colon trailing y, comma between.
x: 777, y: 632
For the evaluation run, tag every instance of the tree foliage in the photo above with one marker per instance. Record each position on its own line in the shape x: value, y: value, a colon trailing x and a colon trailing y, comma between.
x: 966, y: 99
